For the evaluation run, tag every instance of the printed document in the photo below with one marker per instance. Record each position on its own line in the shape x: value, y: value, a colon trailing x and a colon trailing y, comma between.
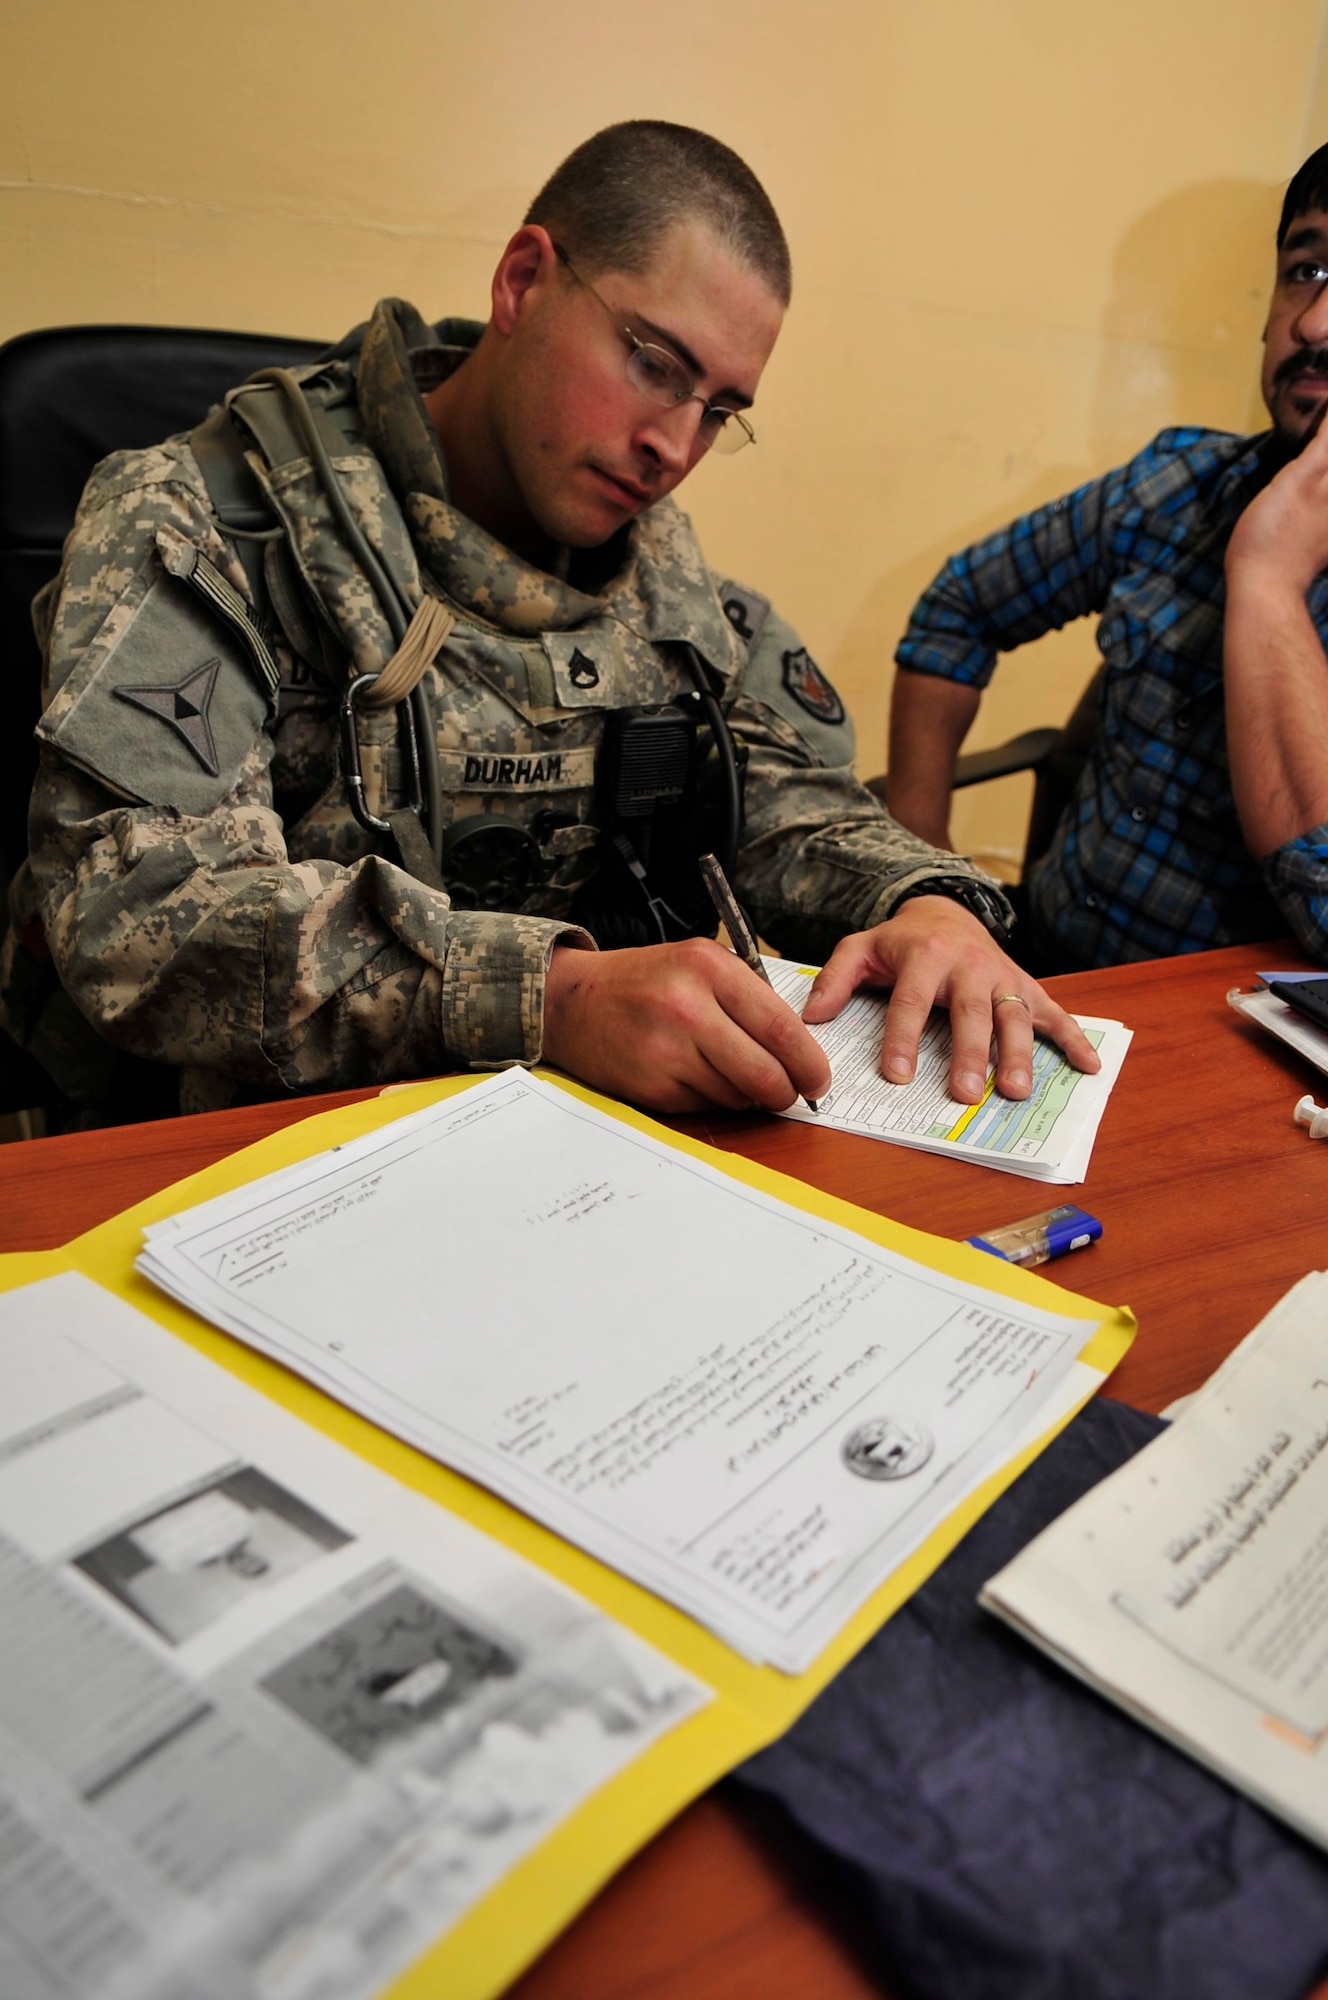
x: 746, y: 1408
x: 270, y: 1723
x: 1273, y: 1013
x: 1192, y: 1585
x: 1048, y: 1136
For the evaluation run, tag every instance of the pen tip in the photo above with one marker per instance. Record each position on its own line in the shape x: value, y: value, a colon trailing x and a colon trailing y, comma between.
x: 811, y: 1103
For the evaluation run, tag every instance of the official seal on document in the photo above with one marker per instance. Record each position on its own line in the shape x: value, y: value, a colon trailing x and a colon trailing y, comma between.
x: 887, y: 1448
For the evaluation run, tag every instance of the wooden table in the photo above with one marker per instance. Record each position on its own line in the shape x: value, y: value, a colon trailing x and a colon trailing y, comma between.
x: 1212, y: 1203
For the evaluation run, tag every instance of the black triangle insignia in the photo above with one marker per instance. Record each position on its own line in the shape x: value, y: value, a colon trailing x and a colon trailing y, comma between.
x: 184, y: 706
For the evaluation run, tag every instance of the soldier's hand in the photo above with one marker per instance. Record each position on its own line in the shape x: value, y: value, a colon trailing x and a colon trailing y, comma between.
x: 936, y: 953
x: 677, y: 1027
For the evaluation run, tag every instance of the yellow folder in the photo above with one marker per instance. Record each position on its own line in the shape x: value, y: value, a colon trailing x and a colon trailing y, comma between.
x: 486, y: 1950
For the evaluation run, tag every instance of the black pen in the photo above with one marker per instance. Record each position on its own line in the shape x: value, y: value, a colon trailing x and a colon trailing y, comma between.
x: 737, y: 926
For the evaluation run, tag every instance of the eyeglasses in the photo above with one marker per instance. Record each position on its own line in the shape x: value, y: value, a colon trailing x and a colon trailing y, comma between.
x: 664, y: 379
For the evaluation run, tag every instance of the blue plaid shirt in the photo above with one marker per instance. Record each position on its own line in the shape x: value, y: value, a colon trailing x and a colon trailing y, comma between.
x: 1148, y: 858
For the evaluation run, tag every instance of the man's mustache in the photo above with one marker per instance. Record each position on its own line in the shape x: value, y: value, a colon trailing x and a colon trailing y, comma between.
x: 1313, y: 361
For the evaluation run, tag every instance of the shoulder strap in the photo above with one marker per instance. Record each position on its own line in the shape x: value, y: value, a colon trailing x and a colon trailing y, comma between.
x: 324, y: 425
x: 238, y: 501
x: 237, y: 498
x: 281, y: 595
x: 261, y: 409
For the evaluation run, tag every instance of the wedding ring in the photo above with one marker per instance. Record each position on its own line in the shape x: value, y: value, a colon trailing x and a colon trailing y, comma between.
x: 997, y: 998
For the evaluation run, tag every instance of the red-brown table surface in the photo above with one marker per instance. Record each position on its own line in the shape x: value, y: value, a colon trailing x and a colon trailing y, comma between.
x: 1212, y: 1203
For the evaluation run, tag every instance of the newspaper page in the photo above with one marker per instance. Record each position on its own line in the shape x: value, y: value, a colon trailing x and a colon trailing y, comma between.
x: 1047, y: 1136
x: 270, y: 1723
x: 755, y: 1413
x: 1192, y: 1585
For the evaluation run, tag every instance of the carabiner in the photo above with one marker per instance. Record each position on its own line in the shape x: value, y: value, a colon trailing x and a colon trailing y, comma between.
x: 352, y: 767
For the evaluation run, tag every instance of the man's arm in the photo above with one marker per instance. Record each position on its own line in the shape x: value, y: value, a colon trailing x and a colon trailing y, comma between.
x: 1045, y: 569
x: 177, y: 919
x: 817, y: 846
x: 1276, y: 676
x: 680, y: 1026
x: 935, y: 954
x: 929, y: 719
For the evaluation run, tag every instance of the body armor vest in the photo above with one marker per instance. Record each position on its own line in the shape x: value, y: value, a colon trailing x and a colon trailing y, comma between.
x: 577, y: 768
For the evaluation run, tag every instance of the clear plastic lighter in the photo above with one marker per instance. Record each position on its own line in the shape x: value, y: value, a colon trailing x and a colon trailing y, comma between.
x: 1039, y: 1238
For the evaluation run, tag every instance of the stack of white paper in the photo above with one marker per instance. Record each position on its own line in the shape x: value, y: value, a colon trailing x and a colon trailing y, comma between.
x: 745, y: 1408
x: 1047, y: 1136
x: 1192, y: 1586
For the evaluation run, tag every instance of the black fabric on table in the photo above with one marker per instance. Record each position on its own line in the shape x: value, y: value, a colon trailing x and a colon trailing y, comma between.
x: 1009, y: 1835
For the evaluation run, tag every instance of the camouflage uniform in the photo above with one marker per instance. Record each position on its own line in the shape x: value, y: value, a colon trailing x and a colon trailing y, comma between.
x: 208, y: 897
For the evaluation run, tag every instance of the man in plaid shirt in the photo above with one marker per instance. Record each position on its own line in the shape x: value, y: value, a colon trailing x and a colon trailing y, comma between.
x: 1201, y: 817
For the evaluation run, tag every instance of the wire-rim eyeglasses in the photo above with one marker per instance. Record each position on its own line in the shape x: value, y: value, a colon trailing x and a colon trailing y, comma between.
x: 666, y: 380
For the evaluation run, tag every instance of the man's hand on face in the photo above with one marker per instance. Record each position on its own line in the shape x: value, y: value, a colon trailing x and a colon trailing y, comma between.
x: 936, y: 953
x: 677, y: 1027
x: 1281, y: 540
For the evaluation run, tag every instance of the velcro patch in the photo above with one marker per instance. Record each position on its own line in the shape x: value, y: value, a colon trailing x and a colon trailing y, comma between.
x: 182, y: 559
x: 607, y: 666
x: 185, y: 706
x: 169, y: 712
x: 745, y: 610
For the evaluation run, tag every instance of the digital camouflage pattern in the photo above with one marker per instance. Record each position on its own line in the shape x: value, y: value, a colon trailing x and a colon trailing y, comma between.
x: 243, y: 924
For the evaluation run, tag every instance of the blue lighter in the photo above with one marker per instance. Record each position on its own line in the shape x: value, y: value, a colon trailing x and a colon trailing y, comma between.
x: 1039, y: 1238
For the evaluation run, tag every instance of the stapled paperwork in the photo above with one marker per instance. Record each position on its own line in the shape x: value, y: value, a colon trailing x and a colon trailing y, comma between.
x: 1048, y: 1136
x: 269, y: 1721
x: 1192, y: 1586
x: 753, y: 1412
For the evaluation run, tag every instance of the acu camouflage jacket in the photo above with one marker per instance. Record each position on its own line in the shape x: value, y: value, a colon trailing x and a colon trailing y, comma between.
x: 208, y: 897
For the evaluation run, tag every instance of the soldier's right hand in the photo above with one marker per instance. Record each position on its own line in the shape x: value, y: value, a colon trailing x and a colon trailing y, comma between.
x: 677, y: 1027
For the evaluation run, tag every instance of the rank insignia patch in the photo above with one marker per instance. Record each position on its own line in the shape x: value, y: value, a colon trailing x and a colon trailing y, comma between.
x: 581, y: 672
x: 810, y: 688
x: 185, y: 707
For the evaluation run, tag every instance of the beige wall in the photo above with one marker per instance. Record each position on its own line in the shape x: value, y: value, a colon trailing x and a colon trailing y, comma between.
x: 1026, y: 234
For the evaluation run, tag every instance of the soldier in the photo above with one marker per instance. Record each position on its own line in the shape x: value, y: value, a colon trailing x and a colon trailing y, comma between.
x: 461, y: 540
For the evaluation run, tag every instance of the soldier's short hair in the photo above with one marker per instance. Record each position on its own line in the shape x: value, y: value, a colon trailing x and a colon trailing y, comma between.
x: 611, y: 201
x: 1308, y: 189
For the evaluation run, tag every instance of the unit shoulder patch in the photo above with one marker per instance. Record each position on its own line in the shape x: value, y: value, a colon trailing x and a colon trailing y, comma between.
x: 808, y: 686
x: 169, y: 710
x: 184, y: 705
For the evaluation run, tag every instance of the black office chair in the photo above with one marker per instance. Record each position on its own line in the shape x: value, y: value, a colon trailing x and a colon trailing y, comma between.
x: 68, y: 396
x: 1056, y: 758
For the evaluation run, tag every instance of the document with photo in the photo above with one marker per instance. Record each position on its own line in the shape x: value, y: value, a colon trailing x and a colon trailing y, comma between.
x: 270, y: 1723
x: 1046, y: 1136
x: 752, y: 1411
x: 1192, y: 1585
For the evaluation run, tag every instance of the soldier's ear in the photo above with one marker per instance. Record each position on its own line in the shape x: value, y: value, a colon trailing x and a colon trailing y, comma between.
x: 527, y: 269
